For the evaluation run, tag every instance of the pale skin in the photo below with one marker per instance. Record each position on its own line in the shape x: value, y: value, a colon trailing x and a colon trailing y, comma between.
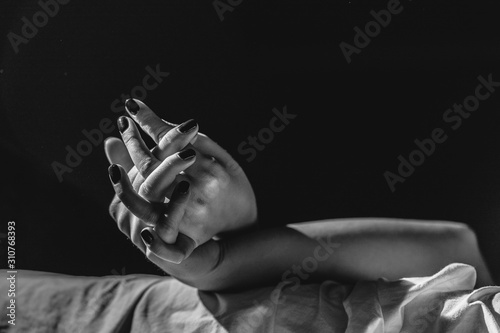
x: 220, y: 199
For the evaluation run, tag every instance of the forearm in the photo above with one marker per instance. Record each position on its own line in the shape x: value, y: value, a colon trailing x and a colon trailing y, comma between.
x: 394, y: 248
x: 346, y: 251
x: 258, y: 258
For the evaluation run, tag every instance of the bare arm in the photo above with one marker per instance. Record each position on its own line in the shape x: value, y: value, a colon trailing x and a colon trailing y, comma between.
x: 220, y: 194
x: 344, y: 250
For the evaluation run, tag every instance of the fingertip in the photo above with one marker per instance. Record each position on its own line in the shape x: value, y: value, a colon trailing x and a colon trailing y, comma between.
x: 187, y: 154
x: 187, y: 126
x: 147, y: 236
x: 132, y: 106
x: 112, y: 146
x: 108, y: 144
x: 181, y: 189
x: 156, y: 247
x: 122, y: 123
x: 140, y: 103
x: 177, y: 138
x: 117, y: 153
x: 125, y: 123
x: 115, y: 174
x: 109, y: 140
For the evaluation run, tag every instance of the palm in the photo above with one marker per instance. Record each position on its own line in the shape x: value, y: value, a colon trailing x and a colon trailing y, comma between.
x: 221, y: 200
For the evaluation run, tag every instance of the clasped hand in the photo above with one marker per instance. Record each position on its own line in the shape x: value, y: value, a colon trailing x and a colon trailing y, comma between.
x: 172, y: 200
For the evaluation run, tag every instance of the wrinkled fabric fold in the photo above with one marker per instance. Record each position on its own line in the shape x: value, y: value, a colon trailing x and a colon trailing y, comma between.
x: 444, y: 302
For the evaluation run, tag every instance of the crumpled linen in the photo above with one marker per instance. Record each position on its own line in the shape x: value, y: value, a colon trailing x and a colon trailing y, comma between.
x: 444, y: 302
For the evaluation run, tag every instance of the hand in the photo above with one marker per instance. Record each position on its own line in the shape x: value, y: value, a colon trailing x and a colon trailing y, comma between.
x: 221, y: 198
x: 182, y: 260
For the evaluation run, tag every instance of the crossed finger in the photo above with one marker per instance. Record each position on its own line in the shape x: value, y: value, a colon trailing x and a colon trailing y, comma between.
x: 160, y: 131
x: 174, y: 253
x: 145, y: 161
x: 164, y: 217
x: 147, y: 119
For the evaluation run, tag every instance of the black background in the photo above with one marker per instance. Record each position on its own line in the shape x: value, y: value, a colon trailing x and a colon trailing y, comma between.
x: 353, y: 119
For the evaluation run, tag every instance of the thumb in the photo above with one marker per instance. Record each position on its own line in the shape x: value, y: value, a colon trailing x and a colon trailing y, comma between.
x: 117, y: 153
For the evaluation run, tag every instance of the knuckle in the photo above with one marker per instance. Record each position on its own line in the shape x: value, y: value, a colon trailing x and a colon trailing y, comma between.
x: 129, y: 138
x: 162, y: 134
x: 147, y: 117
x: 146, y: 165
x: 151, y: 216
x: 165, y: 227
x: 123, y: 225
x: 147, y: 190
x: 122, y: 195
x: 137, y: 180
x: 124, y: 228
x: 113, y: 207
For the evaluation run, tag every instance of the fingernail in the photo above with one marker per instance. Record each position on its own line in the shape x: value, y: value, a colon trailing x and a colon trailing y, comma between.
x: 186, y: 154
x: 147, y: 237
x: 187, y: 126
x: 183, y: 187
x: 122, y: 124
x: 114, y: 173
x: 132, y: 106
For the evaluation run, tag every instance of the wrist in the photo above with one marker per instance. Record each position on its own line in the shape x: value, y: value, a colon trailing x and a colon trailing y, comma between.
x: 202, y: 270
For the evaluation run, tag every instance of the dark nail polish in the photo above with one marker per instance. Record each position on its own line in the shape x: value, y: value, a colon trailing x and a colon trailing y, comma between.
x: 183, y: 187
x: 186, y: 154
x: 122, y: 124
x: 187, y: 126
x: 132, y: 106
x: 114, y: 173
x: 147, y: 237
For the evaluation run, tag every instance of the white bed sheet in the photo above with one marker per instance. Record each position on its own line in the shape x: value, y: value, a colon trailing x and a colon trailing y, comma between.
x: 444, y: 302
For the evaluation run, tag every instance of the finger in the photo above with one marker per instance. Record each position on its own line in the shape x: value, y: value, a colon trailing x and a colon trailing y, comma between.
x: 148, y: 212
x: 175, y: 125
x: 208, y: 147
x: 117, y: 153
x: 144, y: 161
x: 168, y: 227
x: 174, y: 253
x: 155, y: 187
x: 153, y: 125
x: 176, y: 139
x: 135, y: 234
